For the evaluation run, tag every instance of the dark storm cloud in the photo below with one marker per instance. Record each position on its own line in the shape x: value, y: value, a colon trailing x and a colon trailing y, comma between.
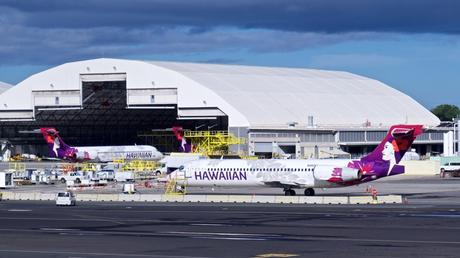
x: 326, y: 16
x: 56, y: 31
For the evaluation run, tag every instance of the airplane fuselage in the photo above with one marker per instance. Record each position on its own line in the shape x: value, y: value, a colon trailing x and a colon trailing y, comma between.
x: 109, y: 153
x: 270, y: 173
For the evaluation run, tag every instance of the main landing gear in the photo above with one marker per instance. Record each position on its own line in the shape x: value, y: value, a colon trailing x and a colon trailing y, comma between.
x: 309, y: 192
x: 290, y: 192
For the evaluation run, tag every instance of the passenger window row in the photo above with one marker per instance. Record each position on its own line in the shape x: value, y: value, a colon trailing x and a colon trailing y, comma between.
x: 256, y: 169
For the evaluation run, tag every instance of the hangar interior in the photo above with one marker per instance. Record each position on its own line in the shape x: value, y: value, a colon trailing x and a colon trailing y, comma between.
x: 282, y: 112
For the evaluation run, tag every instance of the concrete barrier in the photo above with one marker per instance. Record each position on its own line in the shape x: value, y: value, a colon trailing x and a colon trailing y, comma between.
x: 390, y: 199
x: 149, y: 197
x: 216, y: 198
x: 170, y: 198
x: 212, y: 198
x: 287, y: 199
x: 194, y: 198
x: 25, y: 196
x: 263, y: 199
x: 86, y: 197
x: 311, y: 199
x: 239, y: 198
x: 335, y: 200
x: 8, y: 196
x: 361, y: 200
x: 107, y: 197
x: 129, y: 197
x: 46, y: 197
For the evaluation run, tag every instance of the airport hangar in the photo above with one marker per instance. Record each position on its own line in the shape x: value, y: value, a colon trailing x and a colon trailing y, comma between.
x: 301, y: 112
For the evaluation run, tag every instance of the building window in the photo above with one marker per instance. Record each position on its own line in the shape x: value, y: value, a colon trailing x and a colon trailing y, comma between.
x: 56, y: 100
x: 152, y: 99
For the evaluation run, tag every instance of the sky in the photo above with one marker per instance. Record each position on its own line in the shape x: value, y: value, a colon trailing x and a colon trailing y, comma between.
x: 411, y: 45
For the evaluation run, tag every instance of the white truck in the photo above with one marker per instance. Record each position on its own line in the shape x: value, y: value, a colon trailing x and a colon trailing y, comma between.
x: 172, y: 162
x: 451, y: 169
x: 124, y: 176
x: 106, y: 174
x: 71, y: 176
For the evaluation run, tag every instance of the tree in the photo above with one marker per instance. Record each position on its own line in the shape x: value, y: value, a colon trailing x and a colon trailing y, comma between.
x: 446, y: 112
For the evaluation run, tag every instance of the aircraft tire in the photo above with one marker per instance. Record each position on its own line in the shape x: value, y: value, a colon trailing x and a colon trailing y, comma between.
x: 309, y: 192
x: 289, y: 192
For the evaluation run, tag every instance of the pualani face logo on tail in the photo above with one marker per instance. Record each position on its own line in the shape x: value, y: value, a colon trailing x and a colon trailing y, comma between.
x: 57, y: 148
x: 383, y: 161
x: 184, y: 145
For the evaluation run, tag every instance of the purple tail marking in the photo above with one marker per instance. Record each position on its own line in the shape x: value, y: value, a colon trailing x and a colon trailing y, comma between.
x: 383, y: 161
x: 57, y: 148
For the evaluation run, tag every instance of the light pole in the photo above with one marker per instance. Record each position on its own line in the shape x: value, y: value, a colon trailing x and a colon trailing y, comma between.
x: 458, y: 136
x: 456, y: 129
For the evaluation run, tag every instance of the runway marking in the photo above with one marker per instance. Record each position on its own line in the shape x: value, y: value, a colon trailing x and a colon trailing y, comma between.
x: 242, y: 236
x: 209, y: 224
x: 232, y: 238
x: 58, y: 229
x: 436, y: 215
x: 98, y: 254
x: 217, y: 233
x: 19, y: 210
x: 275, y: 255
x: 315, y: 238
x: 191, y: 223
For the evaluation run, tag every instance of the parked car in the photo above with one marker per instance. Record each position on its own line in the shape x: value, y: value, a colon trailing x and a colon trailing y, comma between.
x: 450, y: 169
x: 65, y: 199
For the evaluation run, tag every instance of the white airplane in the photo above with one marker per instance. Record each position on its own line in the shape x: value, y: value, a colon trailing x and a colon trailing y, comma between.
x: 303, y: 174
x: 60, y: 150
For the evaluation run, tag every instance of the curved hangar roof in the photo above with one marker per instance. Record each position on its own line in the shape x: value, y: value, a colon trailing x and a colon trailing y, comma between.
x: 249, y: 95
x: 4, y: 86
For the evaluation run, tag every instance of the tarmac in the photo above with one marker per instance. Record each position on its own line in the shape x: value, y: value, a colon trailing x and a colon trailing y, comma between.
x: 427, y: 225
x: 40, y: 229
x: 415, y: 189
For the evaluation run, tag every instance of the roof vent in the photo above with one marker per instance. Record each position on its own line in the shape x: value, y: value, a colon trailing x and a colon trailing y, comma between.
x: 292, y: 124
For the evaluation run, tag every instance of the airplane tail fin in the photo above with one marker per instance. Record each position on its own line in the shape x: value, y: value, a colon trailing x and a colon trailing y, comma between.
x: 57, y: 148
x: 395, y: 144
x: 184, y: 145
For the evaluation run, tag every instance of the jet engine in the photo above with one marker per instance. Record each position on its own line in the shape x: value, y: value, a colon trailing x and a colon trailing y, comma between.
x: 337, y: 174
x: 85, y: 155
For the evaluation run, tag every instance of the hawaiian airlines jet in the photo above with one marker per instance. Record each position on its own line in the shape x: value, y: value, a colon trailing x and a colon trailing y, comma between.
x: 303, y: 174
x: 59, y: 149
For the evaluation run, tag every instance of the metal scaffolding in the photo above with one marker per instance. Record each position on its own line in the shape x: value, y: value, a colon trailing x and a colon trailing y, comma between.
x: 212, y: 142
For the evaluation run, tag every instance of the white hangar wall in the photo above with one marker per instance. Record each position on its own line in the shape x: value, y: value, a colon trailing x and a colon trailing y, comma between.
x: 261, y: 97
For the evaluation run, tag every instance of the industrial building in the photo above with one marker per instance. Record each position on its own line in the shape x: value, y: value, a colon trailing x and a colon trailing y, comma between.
x: 277, y: 111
